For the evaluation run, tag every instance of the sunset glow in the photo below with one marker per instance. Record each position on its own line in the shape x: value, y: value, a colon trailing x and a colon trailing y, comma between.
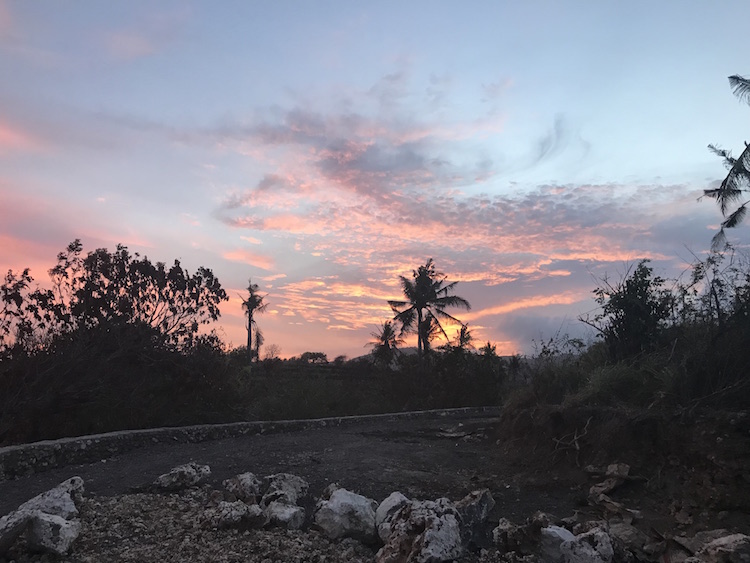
x: 323, y: 149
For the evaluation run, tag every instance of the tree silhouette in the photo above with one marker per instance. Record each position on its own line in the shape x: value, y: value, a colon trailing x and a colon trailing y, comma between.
x: 737, y: 179
x: 464, y: 339
x: 427, y: 297
x: 385, y: 345
x: 108, y: 289
x: 253, y: 305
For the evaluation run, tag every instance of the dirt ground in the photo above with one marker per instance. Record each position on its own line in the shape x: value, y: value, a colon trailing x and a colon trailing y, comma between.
x: 531, y: 462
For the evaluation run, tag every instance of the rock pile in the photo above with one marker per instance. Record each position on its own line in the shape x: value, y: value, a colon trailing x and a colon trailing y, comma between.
x: 250, y: 517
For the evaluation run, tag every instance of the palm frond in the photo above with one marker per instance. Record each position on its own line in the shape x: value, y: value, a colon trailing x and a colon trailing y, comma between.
x: 740, y: 87
x: 396, y: 306
x: 406, y: 318
x: 735, y: 218
x: 719, y: 241
x: 729, y: 160
x: 452, y: 301
x: 443, y: 315
x: 734, y: 183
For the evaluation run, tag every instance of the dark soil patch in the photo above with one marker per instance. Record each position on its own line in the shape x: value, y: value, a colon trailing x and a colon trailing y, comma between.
x: 691, y: 467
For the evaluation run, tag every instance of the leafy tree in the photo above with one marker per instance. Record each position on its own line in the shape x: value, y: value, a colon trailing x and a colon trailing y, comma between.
x: 385, y: 344
x: 489, y: 350
x: 737, y: 180
x: 107, y: 288
x: 427, y: 296
x: 634, y: 312
x: 313, y: 358
x: 253, y: 305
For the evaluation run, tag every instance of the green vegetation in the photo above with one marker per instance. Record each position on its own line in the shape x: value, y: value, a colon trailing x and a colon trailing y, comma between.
x: 115, y: 344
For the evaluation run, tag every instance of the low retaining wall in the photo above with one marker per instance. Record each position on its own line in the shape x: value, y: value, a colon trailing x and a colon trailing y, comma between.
x: 26, y: 459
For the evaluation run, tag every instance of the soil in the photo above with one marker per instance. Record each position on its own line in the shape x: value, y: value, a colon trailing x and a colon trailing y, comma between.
x: 689, y: 470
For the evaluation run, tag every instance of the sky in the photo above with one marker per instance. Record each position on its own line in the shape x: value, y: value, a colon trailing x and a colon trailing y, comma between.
x: 325, y: 148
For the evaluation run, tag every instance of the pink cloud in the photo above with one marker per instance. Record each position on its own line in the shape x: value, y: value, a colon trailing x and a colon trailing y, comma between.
x: 566, y: 298
x: 14, y: 139
x: 251, y: 258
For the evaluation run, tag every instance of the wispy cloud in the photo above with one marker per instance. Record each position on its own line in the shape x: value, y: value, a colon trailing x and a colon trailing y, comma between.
x: 374, y: 197
x: 13, y: 139
x: 249, y: 258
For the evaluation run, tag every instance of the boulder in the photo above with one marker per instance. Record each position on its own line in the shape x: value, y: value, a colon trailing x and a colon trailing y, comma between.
x: 474, y: 509
x: 183, y: 477
x: 423, y: 532
x: 347, y: 515
x: 284, y: 488
x: 279, y: 500
x: 50, y: 519
x: 594, y: 546
x: 52, y: 533
x: 386, y: 511
x: 550, y: 546
x: 244, y: 487
x: 285, y: 515
x: 525, y: 539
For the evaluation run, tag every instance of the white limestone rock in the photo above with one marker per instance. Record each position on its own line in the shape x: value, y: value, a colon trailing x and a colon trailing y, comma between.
x: 289, y: 516
x: 423, y: 532
x: 284, y: 488
x: 244, y: 487
x: 347, y: 515
x: 386, y: 511
x: 52, y: 533
x: 552, y: 539
x: 59, y: 502
x: 594, y: 546
x: 183, y: 477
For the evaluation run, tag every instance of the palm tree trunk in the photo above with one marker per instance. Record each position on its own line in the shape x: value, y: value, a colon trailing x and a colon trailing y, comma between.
x: 420, y: 337
x: 249, y: 341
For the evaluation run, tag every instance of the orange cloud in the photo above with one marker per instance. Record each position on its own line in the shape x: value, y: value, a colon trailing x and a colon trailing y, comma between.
x: 246, y: 257
x: 527, y: 303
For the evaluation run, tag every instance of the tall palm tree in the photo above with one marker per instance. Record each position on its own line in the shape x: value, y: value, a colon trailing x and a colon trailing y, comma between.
x: 385, y: 344
x: 427, y: 297
x: 737, y: 179
x: 252, y: 306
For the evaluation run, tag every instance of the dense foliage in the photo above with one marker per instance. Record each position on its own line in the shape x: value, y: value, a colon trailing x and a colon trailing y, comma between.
x: 104, y: 289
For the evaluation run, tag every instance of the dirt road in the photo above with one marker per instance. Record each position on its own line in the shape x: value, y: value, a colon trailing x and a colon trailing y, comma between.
x: 422, y: 458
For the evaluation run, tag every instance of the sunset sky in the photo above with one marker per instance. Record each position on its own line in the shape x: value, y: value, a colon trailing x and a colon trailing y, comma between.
x: 324, y: 148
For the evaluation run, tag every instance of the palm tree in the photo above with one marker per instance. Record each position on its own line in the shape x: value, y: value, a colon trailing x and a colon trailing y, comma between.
x: 464, y: 339
x: 737, y: 179
x: 385, y: 345
x: 253, y: 305
x: 427, y: 297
